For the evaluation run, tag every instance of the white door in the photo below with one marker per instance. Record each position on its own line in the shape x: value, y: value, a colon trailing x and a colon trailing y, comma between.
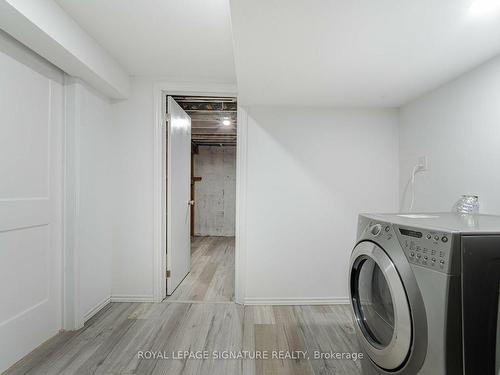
x: 31, y: 116
x: 178, y: 194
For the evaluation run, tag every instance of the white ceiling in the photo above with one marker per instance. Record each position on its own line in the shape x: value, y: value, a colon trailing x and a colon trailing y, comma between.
x: 297, y: 52
x: 185, y: 40
x: 356, y: 52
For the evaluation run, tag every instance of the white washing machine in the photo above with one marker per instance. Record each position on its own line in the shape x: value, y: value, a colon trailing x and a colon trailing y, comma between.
x: 424, y: 293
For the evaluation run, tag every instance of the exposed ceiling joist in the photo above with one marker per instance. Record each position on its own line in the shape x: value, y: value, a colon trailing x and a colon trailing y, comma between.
x: 213, y: 119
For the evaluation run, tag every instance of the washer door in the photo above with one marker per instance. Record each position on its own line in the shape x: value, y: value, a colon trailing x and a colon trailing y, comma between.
x: 380, y: 306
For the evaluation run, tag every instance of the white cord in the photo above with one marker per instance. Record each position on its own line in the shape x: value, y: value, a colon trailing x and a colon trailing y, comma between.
x: 413, y: 187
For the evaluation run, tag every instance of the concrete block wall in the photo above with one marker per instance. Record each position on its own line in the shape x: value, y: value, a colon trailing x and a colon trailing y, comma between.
x: 215, y: 194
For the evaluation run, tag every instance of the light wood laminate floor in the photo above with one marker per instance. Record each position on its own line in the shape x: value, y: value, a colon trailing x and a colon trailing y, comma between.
x: 111, y: 342
x: 212, y: 271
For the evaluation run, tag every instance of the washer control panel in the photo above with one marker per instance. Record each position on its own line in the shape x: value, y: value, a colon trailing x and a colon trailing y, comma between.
x: 426, y: 248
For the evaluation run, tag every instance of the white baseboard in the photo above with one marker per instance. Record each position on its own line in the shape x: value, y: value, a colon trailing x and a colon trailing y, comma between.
x: 297, y: 301
x: 116, y: 298
x: 247, y: 301
x: 96, y: 309
x: 132, y: 298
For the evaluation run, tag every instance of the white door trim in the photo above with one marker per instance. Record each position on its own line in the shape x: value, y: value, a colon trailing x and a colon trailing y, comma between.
x: 160, y: 91
x: 72, y: 319
x: 241, y: 206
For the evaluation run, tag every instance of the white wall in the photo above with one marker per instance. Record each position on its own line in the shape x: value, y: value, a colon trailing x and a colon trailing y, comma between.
x: 89, y: 202
x: 96, y: 199
x: 133, y: 148
x: 215, y: 194
x: 458, y: 128
x: 31, y: 183
x: 310, y: 172
x: 133, y: 175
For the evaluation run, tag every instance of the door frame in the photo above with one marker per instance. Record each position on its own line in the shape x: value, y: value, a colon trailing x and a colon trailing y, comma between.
x: 161, y: 90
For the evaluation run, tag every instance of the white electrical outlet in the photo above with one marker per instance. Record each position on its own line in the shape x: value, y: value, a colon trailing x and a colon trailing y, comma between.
x: 422, y: 164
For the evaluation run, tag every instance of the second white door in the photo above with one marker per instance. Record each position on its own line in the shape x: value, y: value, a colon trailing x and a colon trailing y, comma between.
x: 178, y: 194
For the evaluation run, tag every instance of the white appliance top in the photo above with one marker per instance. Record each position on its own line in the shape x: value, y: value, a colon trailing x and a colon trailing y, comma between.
x: 443, y: 221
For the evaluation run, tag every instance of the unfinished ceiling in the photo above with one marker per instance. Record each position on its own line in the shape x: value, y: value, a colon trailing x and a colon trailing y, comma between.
x: 213, y: 119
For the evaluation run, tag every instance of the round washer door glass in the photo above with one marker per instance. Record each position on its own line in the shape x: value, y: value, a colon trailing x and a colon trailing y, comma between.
x: 380, y: 306
x: 375, y: 303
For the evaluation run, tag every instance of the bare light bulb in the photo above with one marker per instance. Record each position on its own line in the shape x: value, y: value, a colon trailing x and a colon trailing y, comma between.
x: 226, y: 122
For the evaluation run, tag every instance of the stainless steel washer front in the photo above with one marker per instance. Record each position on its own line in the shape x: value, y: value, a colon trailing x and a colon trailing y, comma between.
x: 380, y: 306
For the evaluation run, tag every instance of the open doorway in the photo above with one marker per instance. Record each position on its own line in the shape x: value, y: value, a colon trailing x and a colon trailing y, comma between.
x: 212, y: 209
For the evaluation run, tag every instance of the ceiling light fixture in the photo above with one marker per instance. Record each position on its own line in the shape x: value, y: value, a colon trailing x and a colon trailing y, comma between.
x: 484, y: 7
x: 226, y: 122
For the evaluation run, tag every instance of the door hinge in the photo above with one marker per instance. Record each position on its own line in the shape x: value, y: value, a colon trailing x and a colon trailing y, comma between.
x: 167, y: 273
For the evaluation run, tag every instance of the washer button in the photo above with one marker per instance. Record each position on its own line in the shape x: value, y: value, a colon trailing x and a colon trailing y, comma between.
x: 412, y: 254
x: 441, y: 261
x: 376, y: 229
x: 436, y: 237
x: 428, y: 236
x: 387, y: 228
x: 444, y: 239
